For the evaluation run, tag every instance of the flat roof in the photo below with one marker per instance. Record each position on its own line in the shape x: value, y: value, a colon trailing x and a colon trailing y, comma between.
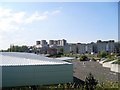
x: 21, y: 59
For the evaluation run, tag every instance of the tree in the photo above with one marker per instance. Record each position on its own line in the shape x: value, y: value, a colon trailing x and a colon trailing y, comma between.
x: 61, y: 50
x: 102, y: 54
x: 18, y: 49
x: 90, y: 82
x: 83, y: 58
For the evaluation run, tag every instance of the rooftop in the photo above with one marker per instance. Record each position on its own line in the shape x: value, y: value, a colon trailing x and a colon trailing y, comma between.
x: 21, y: 59
x: 66, y: 58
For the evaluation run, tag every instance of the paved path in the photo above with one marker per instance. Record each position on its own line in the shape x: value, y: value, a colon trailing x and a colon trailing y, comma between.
x: 83, y: 68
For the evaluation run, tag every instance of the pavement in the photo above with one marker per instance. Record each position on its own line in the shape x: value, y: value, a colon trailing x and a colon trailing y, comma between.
x: 82, y: 68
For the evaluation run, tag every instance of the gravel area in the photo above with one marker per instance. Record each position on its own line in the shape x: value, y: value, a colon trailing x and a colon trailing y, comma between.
x: 102, y: 74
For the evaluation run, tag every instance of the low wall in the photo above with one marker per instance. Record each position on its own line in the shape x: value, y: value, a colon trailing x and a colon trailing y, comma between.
x: 115, y: 68
x: 107, y: 64
x: 101, y: 62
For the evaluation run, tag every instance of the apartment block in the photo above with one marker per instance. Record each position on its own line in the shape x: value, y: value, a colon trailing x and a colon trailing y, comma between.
x: 81, y: 48
x: 58, y: 42
x: 73, y: 48
x: 107, y: 46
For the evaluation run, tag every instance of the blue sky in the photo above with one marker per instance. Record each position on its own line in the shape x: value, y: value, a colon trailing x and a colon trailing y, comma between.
x: 24, y: 23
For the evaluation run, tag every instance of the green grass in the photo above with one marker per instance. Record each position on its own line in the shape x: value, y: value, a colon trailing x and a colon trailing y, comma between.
x: 70, y: 86
x: 117, y: 62
x: 108, y: 60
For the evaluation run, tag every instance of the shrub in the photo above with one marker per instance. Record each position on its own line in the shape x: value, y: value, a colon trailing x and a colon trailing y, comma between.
x: 83, y: 58
x: 102, y: 54
x: 90, y: 82
x: 117, y: 62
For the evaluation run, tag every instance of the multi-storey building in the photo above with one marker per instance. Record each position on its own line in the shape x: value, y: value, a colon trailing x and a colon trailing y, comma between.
x: 107, y: 46
x: 111, y: 46
x: 91, y: 48
x: 66, y: 49
x: 58, y: 42
x: 51, y: 42
x: 72, y: 48
x: 43, y: 42
x: 81, y: 48
x: 63, y: 42
x: 37, y: 42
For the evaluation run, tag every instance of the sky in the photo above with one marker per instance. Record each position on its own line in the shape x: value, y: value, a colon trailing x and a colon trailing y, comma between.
x: 59, y: 0
x: 23, y: 23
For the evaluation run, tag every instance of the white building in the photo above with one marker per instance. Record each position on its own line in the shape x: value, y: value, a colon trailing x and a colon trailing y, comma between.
x: 62, y: 42
x: 66, y: 49
x: 111, y: 46
x: 43, y: 42
x: 73, y: 48
x: 107, y: 46
x: 37, y: 42
x: 81, y: 48
x: 91, y: 48
x: 51, y: 42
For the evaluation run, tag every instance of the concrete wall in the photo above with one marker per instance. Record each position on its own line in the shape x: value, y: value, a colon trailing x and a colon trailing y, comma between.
x: 115, y: 68
x: 36, y: 75
x: 107, y: 64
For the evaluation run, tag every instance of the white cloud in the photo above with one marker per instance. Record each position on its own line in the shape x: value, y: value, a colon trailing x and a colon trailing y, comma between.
x: 12, y: 22
x: 18, y: 18
x: 36, y: 17
x: 56, y: 12
x: 46, y: 13
x: 5, y: 12
x: 10, y: 19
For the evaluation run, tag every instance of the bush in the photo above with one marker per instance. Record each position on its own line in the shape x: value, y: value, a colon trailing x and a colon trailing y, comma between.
x: 93, y: 59
x: 102, y: 54
x: 117, y: 62
x: 83, y: 58
x: 90, y: 82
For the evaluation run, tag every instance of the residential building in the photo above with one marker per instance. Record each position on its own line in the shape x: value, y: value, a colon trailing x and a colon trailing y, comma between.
x: 58, y: 42
x: 91, y: 48
x: 37, y: 42
x: 43, y: 42
x: 51, y: 42
x: 63, y: 42
x: 73, y: 48
x: 81, y: 48
x: 66, y: 49
x: 107, y: 46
